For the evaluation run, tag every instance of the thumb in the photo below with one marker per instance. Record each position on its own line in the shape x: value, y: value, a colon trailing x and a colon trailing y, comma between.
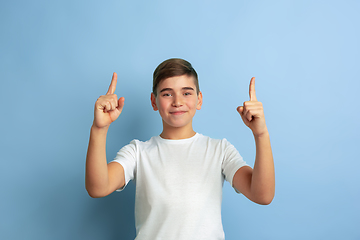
x: 121, y: 102
x: 240, y: 109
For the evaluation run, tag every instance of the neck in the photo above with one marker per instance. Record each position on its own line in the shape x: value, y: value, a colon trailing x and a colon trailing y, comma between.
x: 177, y: 133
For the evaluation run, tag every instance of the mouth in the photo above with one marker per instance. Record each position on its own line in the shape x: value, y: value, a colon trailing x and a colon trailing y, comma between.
x: 177, y: 113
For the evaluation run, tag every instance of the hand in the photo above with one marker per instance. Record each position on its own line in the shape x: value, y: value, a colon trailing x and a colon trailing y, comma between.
x: 108, y: 107
x: 252, y: 112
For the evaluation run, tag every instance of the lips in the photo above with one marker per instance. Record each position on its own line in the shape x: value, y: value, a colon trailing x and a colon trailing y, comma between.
x: 177, y: 112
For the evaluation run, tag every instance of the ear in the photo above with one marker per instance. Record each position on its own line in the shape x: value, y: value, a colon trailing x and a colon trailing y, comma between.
x: 153, y: 102
x: 200, y: 101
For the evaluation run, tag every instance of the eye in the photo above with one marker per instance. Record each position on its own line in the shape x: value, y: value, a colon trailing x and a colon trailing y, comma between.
x: 166, y: 95
x: 187, y: 94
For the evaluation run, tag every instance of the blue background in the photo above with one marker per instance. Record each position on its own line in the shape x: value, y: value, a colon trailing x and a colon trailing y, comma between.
x: 57, y: 58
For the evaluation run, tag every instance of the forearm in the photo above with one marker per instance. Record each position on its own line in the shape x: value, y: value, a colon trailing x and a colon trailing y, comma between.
x: 96, y: 175
x: 263, y: 176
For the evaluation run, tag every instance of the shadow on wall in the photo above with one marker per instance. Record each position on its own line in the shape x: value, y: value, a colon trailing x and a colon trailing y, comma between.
x: 66, y: 211
x: 111, y: 217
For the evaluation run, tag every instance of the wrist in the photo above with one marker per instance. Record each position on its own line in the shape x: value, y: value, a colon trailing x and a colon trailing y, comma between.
x: 263, y: 134
x: 96, y: 129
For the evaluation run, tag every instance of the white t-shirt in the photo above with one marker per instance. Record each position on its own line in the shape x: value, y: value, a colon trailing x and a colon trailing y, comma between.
x: 179, y: 185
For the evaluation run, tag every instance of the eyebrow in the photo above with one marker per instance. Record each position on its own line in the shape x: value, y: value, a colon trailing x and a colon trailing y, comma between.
x: 170, y: 89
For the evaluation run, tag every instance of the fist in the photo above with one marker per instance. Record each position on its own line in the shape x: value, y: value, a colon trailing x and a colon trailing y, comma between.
x: 252, y: 112
x: 108, y: 107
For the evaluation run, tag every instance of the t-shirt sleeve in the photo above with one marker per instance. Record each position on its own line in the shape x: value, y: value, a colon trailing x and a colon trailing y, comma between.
x: 127, y: 158
x: 232, y: 162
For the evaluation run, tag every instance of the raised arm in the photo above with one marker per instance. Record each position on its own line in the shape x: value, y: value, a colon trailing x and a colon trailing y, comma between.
x: 257, y: 184
x: 101, y: 178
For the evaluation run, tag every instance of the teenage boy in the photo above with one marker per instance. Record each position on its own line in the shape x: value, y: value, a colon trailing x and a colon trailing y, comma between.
x: 180, y: 173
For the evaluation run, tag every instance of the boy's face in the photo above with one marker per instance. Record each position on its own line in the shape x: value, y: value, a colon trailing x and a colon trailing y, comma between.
x: 177, y: 101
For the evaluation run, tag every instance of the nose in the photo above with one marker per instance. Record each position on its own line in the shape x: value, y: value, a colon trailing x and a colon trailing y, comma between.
x: 177, y: 102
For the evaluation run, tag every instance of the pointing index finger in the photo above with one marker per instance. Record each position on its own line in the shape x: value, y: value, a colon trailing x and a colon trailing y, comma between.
x: 113, y: 83
x: 252, y: 93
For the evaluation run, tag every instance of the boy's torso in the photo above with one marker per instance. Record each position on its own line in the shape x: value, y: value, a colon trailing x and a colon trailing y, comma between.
x: 179, y: 187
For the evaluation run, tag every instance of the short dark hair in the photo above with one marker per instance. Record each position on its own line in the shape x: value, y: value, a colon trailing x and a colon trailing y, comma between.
x: 171, y: 68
